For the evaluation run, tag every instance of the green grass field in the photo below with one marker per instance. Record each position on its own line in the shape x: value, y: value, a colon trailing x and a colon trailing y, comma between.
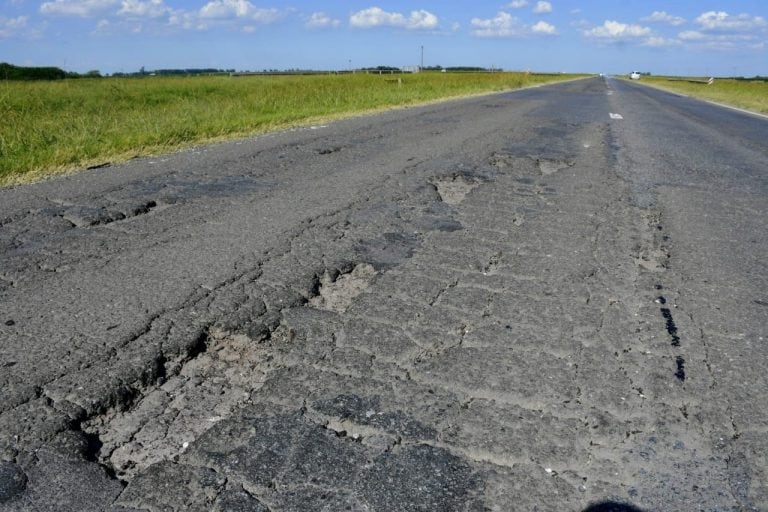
x: 56, y: 127
x: 750, y: 95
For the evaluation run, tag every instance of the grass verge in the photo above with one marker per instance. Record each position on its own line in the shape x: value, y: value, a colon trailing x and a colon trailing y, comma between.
x: 747, y: 94
x: 57, y: 127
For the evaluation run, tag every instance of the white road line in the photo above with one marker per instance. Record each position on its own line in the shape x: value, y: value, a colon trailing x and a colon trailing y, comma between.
x: 616, y: 116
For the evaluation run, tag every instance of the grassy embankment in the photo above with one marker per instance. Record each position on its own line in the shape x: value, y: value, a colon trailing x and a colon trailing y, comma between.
x: 747, y: 94
x: 55, y: 127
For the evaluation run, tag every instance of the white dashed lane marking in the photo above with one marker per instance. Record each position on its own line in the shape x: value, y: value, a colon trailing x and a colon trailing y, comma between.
x: 616, y: 116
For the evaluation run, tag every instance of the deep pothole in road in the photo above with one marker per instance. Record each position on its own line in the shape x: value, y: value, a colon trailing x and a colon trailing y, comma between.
x: 454, y: 188
x: 207, y: 386
x: 337, y: 293
x: 165, y: 420
x: 85, y: 216
x: 549, y: 166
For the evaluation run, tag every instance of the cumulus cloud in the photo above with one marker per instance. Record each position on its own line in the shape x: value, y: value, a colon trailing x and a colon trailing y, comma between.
x: 542, y: 7
x: 377, y: 17
x: 322, y: 20
x: 617, y: 31
x: 543, y: 27
x: 186, y: 20
x: 238, y: 9
x: 103, y: 27
x: 506, y: 25
x: 664, y: 17
x: 720, y: 31
x: 660, y: 42
x: 691, y: 35
x: 503, y: 25
x: 722, y: 21
x: 82, y: 8
x: 143, y: 9
x: 518, y: 4
x: 9, y: 27
x: 226, y: 9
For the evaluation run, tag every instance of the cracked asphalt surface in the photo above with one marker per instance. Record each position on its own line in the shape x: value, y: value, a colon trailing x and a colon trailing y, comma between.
x: 512, y: 302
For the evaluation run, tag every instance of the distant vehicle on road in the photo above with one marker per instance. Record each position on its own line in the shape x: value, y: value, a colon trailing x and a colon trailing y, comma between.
x: 635, y: 75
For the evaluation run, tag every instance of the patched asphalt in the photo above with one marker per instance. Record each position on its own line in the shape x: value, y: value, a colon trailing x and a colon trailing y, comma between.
x: 511, y: 302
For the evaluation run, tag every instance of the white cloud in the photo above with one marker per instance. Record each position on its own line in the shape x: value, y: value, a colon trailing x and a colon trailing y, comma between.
x: 377, y: 17
x: 322, y: 20
x: 691, y: 35
x: 542, y: 7
x: 217, y: 13
x: 724, y: 42
x: 720, y: 31
x: 506, y: 25
x: 518, y: 4
x: 186, y: 20
x: 664, y: 17
x: 543, y: 27
x: 503, y: 25
x: 9, y: 27
x: 660, y: 42
x: 143, y: 9
x: 103, y: 27
x: 82, y: 8
x: 617, y: 31
x: 238, y: 9
x: 226, y: 9
x: 722, y: 21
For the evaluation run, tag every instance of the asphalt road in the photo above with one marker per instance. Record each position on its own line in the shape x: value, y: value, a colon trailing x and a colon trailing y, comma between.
x: 548, y: 299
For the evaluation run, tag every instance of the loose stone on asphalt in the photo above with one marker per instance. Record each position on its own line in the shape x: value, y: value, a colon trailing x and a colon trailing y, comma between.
x: 478, y: 328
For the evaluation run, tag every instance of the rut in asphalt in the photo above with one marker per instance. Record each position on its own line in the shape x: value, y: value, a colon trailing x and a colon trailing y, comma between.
x: 235, y: 355
x: 333, y: 329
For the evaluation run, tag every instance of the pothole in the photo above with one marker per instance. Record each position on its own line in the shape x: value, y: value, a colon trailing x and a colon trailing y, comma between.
x: 338, y: 294
x: 453, y: 189
x: 549, y: 166
x: 168, y: 418
x: 86, y: 216
x: 654, y: 260
x: 502, y: 161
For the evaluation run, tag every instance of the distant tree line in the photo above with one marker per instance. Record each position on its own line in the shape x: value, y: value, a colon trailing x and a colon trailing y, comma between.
x: 756, y: 78
x: 464, y: 68
x: 381, y: 68
x: 175, y: 72
x: 11, y: 72
x: 432, y: 68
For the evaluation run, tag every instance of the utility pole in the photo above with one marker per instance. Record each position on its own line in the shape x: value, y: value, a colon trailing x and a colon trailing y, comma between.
x: 422, y: 58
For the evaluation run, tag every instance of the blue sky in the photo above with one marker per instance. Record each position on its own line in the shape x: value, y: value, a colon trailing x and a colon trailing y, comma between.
x: 701, y: 37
